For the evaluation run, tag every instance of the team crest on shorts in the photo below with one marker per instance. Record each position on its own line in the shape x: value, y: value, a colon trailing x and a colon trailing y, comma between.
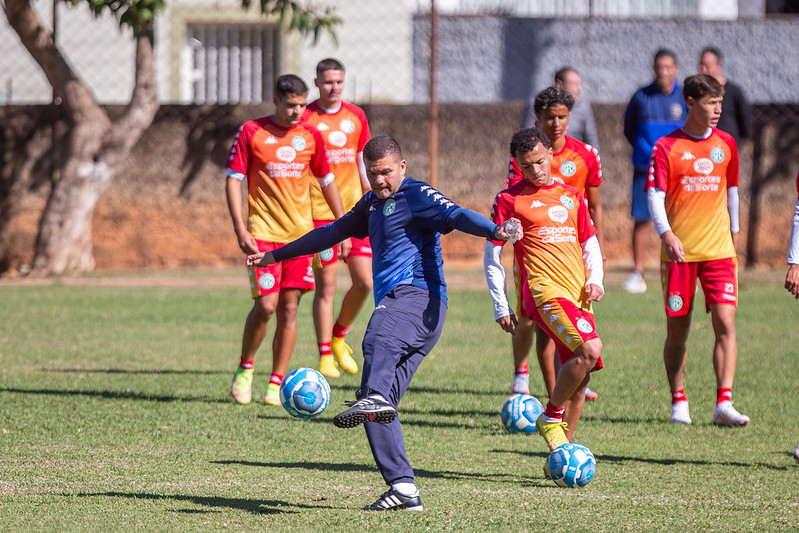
x: 567, y: 201
x: 584, y: 326
x: 298, y: 143
x: 717, y: 155
x: 389, y: 207
x: 266, y: 281
x: 675, y: 302
x: 326, y: 255
x: 568, y: 168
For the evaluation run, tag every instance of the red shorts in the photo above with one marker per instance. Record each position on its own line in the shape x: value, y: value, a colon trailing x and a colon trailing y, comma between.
x: 290, y: 274
x: 719, y: 279
x: 360, y: 248
x: 568, y: 325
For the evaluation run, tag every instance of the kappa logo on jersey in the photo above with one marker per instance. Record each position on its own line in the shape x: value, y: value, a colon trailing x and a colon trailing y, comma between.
x: 537, y: 203
x: 584, y: 326
x: 558, y: 214
x: 286, y: 153
x: 561, y: 328
x: 437, y: 196
x: 371, y: 208
x: 676, y: 111
x: 567, y: 201
x: 337, y: 139
x: 298, y: 143
x: 347, y: 126
x: 266, y: 281
x: 687, y: 156
x: 389, y: 207
x: 717, y: 155
x: 323, y: 127
x: 568, y: 168
x: 675, y: 302
x: 270, y: 140
x: 703, y: 166
x: 552, y: 318
x: 326, y: 255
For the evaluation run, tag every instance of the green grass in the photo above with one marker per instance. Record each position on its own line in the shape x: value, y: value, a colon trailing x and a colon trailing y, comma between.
x: 115, y: 415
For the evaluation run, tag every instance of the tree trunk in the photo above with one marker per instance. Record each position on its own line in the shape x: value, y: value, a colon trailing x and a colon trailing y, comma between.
x: 95, y: 148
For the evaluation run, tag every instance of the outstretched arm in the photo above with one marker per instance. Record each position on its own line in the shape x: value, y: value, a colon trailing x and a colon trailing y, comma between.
x: 310, y: 243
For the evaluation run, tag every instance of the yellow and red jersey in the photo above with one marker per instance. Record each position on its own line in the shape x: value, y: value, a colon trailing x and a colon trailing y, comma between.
x: 577, y: 164
x: 695, y: 174
x: 555, y: 222
x: 278, y: 163
x: 345, y: 133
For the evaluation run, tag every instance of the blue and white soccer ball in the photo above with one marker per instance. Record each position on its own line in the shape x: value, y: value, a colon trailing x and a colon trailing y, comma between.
x: 571, y: 465
x: 304, y: 393
x: 520, y: 413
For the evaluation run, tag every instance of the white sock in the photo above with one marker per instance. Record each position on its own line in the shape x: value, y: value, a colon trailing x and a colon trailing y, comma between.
x: 407, y: 489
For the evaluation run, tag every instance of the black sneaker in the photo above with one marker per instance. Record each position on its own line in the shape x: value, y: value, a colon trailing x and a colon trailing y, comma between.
x: 368, y: 409
x: 392, y: 500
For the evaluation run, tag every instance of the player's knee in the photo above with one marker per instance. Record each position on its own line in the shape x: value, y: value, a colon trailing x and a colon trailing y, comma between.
x: 590, y: 351
x: 263, y: 309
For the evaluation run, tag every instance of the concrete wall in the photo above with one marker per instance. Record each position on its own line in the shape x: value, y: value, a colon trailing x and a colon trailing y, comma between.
x: 491, y: 59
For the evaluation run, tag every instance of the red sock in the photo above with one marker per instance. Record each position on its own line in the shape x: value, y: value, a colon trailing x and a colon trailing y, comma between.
x: 554, y: 413
x: 678, y: 396
x: 325, y: 349
x: 340, y: 331
x: 723, y: 394
x: 276, y: 378
x: 524, y: 369
x: 247, y: 365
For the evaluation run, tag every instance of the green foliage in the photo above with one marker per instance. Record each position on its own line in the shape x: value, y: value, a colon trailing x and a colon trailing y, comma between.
x: 138, y: 14
x: 115, y: 416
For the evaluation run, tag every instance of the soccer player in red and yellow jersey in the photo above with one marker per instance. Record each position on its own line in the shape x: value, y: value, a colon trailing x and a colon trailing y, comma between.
x: 345, y: 131
x: 562, y: 267
x: 576, y: 164
x: 692, y: 190
x: 276, y: 155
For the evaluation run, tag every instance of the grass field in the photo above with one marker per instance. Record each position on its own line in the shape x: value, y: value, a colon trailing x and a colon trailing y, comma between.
x: 115, y: 416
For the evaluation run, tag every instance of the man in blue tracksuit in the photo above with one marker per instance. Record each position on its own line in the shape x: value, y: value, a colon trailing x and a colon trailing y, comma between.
x: 654, y: 111
x: 403, y: 218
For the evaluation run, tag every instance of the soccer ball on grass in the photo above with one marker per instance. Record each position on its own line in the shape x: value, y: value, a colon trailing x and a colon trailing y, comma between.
x: 571, y: 464
x: 520, y: 413
x: 304, y: 393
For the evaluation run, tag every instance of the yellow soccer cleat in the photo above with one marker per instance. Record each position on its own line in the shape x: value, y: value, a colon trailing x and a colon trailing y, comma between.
x: 554, y: 433
x: 343, y: 354
x: 241, y: 389
x: 272, y: 396
x: 328, y: 367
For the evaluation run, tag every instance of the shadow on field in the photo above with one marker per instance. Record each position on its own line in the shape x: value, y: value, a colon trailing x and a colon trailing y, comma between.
x: 117, y: 395
x: 144, y: 372
x: 501, y: 477
x: 254, y: 506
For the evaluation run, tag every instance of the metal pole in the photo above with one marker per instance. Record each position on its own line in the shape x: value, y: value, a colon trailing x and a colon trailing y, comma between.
x: 433, y: 148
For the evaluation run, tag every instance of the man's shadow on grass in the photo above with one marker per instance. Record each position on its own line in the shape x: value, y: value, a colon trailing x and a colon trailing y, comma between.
x: 502, y: 477
x: 254, y: 506
x: 666, y: 461
x: 116, y: 395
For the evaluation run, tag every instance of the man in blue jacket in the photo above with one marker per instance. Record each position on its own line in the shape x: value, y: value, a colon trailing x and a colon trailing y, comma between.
x: 404, y: 219
x: 654, y: 111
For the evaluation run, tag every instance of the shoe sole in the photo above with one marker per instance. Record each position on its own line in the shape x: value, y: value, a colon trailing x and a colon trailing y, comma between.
x: 730, y: 424
x: 351, y: 420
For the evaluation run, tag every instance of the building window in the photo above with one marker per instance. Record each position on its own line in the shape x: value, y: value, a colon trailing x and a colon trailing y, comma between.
x: 228, y: 63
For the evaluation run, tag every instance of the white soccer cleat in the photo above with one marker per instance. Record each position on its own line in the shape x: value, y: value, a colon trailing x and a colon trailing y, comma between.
x: 521, y: 384
x: 679, y: 413
x: 726, y: 415
x: 635, y: 283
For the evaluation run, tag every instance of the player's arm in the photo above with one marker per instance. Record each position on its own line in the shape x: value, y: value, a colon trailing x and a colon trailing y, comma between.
x: 631, y: 120
x: 365, y: 186
x: 792, y: 278
x: 597, y: 215
x: 497, y: 287
x: 247, y: 242
x: 594, y: 270
x: 333, y: 199
x: 656, y: 200
x: 732, y: 209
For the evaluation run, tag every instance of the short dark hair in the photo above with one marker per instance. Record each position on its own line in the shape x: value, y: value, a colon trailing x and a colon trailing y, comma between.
x: 700, y: 85
x: 526, y: 140
x: 381, y: 147
x: 713, y: 50
x: 552, y: 96
x: 665, y: 52
x: 328, y: 64
x: 560, y: 75
x: 290, y: 84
